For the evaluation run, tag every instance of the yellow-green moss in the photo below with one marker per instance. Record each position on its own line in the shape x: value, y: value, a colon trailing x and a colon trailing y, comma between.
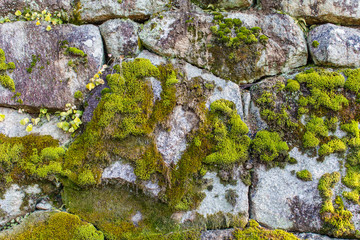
x: 5, y: 80
x: 315, y: 44
x: 292, y: 85
x: 304, y: 175
x: 78, y: 95
x: 335, y: 145
x: 60, y: 226
x: 315, y: 129
x: 337, y: 220
x: 352, y: 82
x: 30, y: 157
x: 124, y: 120
x: 268, y: 147
x: 255, y: 232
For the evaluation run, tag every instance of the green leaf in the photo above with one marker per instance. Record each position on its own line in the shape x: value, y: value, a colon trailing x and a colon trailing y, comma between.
x: 35, y: 121
x: 24, y: 121
x: 29, y: 128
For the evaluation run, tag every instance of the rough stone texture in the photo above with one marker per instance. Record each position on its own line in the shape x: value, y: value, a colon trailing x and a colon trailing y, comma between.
x: 345, y: 12
x: 11, y: 202
x: 281, y: 200
x: 313, y: 236
x: 227, y: 4
x: 139, y: 10
x: 121, y: 37
x: 174, y: 36
x: 225, y: 234
x: 11, y: 6
x: 43, y: 205
x: 52, y: 82
x: 119, y: 170
x: 338, y: 46
x: 171, y: 144
x: 124, y: 173
x: 11, y: 126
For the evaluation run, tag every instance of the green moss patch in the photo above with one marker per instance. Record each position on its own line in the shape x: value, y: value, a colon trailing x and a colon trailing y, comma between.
x: 59, y: 226
x: 304, y: 175
x: 5, y: 80
x: 255, y: 232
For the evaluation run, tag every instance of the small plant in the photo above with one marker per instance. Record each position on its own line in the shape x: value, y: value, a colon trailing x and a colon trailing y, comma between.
x: 292, y: 85
x: 2, y: 117
x: 78, y: 95
x: 304, y: 175
x: 70, y: 120
x: 96, y: 80
x: 315, y: 44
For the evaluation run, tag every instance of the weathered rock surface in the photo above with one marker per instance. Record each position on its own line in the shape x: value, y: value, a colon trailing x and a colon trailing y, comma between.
x: 217, y: 234
x: 121, y: 37
x: 11, y: 6
x: 13, y: 204
x: 231, y: 4
x: 338, y: 46
x: 174, y: 36
x: 281, y: 200
x: 334, y: 11
x: 11, y: 126
x: 172, y: 143
x: 100, y: 11
x: 313, y: 236
x: 52, y: 82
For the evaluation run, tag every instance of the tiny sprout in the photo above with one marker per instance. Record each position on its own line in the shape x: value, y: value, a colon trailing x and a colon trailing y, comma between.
x: 43, y: 12
x: 90, y: 86
x: 24, y: 121
x: 38, y: 23
x: 48, y: 28
x: 29, y: 128
x: 35, y: 121
x: 18, y: 13
x: 48, y: 18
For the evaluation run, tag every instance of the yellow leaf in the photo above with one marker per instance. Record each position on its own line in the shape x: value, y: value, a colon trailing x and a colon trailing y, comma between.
x: 38, y: 23
x: 24, y: 121
x: 2, y: 117
x: 90, y: 86
x: 17, y: 13
x: 29, y: 128
x: 48, y: 28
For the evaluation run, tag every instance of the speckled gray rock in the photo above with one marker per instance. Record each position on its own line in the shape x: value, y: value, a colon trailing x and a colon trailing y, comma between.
x: 121, y: 37
x: 100, y: 11
x: 172, y: 35
x: 334, y: 11
x: 225, y: 234
x: 13, y: 204
x: 11, y: 126
x: 281, y: 200
x: 314, y: 236
x: 338, y: 46
x: 226, y: 4
x: 52, y: 82
x: 11, y: 6
x: 171, y: 144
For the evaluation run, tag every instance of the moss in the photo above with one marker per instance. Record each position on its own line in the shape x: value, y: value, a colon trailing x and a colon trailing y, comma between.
x: 292, y: 85
x: 60, y: 226
x: 231, y: 197
x: 110, y: 208
x: 332, y: 123
x: 352, y: 83
x: 335, y: 145
x: 34, y: 60
x: 315, y: 44
x: 78, y: 95
x: 337, y: 220
x: 304, y: 175
x: 125, y: 119
x: 353, y: 196
x: 35, y: 157
x: 5, y: 80
x: 268, y: 147
x: 315, y: 129
x: 255, y: 232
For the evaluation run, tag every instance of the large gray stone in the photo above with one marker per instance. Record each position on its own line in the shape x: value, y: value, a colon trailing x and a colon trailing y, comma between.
x: 314, y: 236
x: 227, y: 4
x: 52, y: 82
x: 338, y: 46
x: 174, y: 35
x: 121, y: 37
x: 11, y: 126
x: 345, y: 12
x: 13, y: 204
x: 281, y: 200
x: 99, y: 11
x: 11, y: 6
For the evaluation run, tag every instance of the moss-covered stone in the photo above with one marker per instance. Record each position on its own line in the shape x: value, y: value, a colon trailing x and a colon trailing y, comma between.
x: 5, y: 80
x: 255, y: 232
x: 304, y: 175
